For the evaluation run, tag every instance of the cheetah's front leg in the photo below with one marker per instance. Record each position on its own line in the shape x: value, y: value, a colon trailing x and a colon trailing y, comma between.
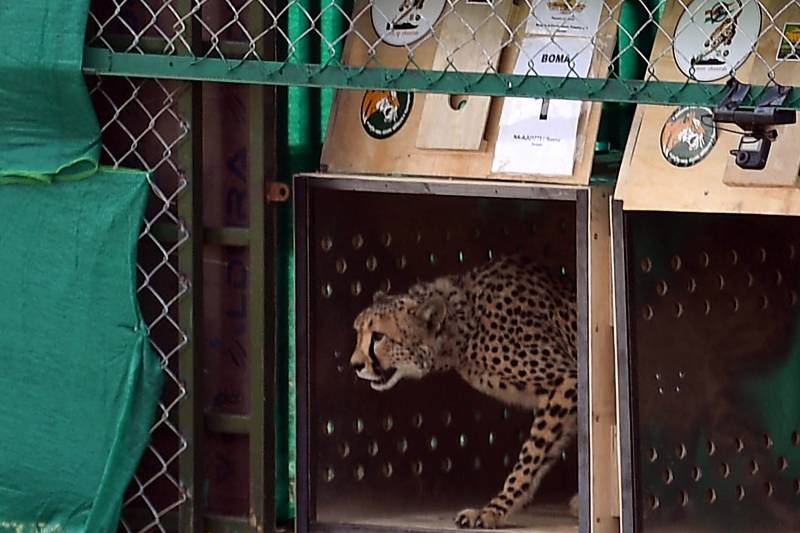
x: 551, y: 431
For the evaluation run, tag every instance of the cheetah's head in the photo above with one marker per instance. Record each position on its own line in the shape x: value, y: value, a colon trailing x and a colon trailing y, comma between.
x: 398, y: 337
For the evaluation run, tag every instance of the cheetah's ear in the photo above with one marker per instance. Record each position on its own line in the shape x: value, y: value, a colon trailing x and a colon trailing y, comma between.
x: 432, y: 312
x: 379, y: 295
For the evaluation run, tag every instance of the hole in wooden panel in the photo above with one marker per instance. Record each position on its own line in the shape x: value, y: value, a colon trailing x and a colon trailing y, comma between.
x: 387, y: 469
x: 769, y: 489
x: 697, y: 473
x: 680, y: 451
x: 740, y: 492
x: 476, y: 463
x: 778, y: 277
x: 666, y: 474
x: 372, y: 263
x: 402, y: 445
x: 447, y: 464
x: 401, y: 262
x: 359, y: 472
x: 797, y: 486
x: 738, y: 444
x: 691, y: 285
x: 724, y: 470
x: 720, y: 281
x: 646, y: 265
x: 432, y: 258
x: 734, y: 257
x: 326, y: 244
x: 704, y: 259
x: 734, y: 304
x: 750, y: 280
x: 652, y: 454
x: 711, y: 495
x: 357, y: 241
x: 764, y: 301
x: 792, y: 252
x: 433, y: 443
x: 683, y: 498
x: 662, y: 287
x: 327, y: 290
x: 386, y: 285
x: 344, y: 449
x: 647, y: 312
x: 460, y: 256
x: 711, y: 447
x: 341, y: 266
x: 506, y: 460
x: 416, y: 468
x: 419, y: 237
x: 355, y: 288
x: 753, y: 466
x: 795, y: 438
x: 792, y: 297
x: 679, y: 309
x: 372, y: 448
x: 491, y: 438
x: 761, y: 255
x: 387, y: 423
x: 676, y: 263
x: 386, y: 239
x: 767, y: 440
x: 462, y: 440
x: 706, y: 307
x: 417, y: 420
x: 329, y: 427
x: 458, y: 101
x: 358, y: 425
x: 654, y: 503
x: 329, y: 474
x: 783, y: 463
x: 447, y: 418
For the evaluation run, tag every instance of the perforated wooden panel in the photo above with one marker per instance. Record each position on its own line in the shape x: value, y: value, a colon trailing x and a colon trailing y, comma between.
x: 715, y: 370
x: 428, y: 444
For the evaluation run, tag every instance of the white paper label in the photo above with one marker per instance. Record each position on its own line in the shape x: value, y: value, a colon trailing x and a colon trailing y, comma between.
x: 565, y: 17
x: 539, y: 136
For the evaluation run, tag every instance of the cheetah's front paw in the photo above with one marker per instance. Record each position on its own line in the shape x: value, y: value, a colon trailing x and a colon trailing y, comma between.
x: 479, y: 518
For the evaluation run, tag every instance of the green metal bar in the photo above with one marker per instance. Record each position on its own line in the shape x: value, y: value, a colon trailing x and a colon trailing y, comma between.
x: 261, y: 352
x: 103, y: 62
x: 227, y: 423
x: 190, y: 307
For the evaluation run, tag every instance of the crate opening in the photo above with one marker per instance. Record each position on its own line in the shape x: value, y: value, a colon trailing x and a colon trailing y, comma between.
x: 415, y: 455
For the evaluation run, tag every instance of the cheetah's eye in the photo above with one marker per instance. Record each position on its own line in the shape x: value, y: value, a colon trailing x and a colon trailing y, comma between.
x: 377, y: 336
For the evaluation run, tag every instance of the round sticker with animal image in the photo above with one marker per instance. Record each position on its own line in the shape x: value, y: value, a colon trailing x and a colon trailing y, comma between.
x: 383, y: 113
x: 402, y: 22
x: 714, y: 37
x: 688, y: 136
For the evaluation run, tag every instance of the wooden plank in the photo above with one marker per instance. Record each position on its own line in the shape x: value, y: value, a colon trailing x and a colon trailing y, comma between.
x: 783, y: 164
x: 604, y: 474
x: 348, y: 149
x: 647, y: 181
x: 470, y: 39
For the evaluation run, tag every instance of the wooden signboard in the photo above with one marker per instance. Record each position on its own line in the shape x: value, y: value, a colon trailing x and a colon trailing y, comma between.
x: 391, y: 132
x: 676, y: 158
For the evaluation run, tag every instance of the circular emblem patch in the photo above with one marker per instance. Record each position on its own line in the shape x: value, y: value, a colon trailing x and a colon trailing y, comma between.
x: 402, y: 22
x: 383, y: 113
x: 688, y: 136
x: 714, y: 37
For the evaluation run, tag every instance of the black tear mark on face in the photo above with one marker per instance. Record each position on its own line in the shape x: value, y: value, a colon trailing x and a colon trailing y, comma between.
x: 384, y: 374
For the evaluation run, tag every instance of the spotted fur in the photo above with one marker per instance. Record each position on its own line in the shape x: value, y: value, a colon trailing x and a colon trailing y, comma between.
x: 508, y: 328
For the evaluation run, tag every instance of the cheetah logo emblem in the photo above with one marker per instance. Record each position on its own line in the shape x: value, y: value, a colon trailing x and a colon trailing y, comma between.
x: 384, y: 112
x: 688, y: 136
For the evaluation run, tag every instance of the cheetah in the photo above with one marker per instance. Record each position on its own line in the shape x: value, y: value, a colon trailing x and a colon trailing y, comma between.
x: 508, y: 328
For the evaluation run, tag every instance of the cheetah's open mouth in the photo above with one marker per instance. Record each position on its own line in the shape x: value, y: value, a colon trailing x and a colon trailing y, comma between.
x: 386, y: 379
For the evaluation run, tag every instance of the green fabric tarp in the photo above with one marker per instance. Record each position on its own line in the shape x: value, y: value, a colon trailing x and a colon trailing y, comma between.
x: 79, y: 381
x: 78, y: 378
x: 48, y: 128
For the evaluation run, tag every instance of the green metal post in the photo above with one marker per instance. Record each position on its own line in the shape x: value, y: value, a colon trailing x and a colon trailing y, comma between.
x: 190, y: 308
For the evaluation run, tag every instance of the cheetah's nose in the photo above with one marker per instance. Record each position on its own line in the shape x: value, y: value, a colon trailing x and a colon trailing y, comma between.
x: 358, y: 366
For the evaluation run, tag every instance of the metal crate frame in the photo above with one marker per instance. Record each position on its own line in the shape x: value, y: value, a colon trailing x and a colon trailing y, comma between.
x: 305, y: 521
